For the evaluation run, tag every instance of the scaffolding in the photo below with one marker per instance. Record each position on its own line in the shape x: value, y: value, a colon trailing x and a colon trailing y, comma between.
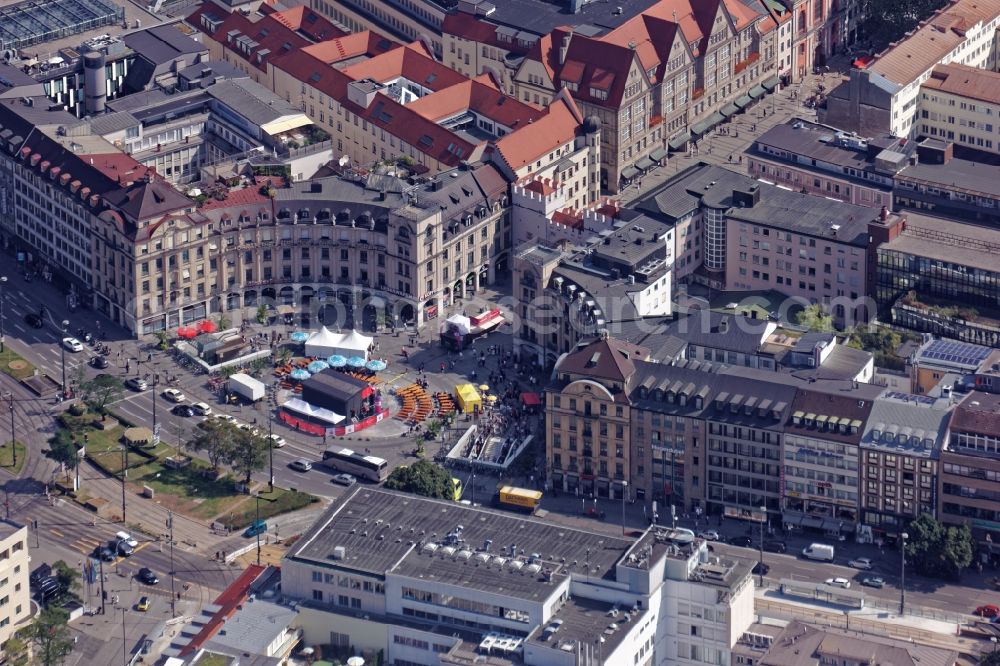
x: 36, y: 21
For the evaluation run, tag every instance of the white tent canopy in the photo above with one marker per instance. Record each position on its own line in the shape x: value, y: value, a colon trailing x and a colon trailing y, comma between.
x: 463, y: 323
x: 302, y: 407
x: 355, y: 343
x: 323, y: 343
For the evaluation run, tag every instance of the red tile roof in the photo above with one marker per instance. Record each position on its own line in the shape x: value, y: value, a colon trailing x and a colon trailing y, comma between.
x: 413, y: 61
x: 272, y: 33
x: 357, y: 44
x: 309, y: 23
x: 569, y: 218
x: 480, y: 95
x: 558, y: 126
x: 230, y: 599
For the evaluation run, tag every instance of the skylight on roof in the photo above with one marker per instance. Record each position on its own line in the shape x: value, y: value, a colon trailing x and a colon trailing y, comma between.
x: 315, y: 76
x: 426, y: 140
x: 431, y: 77
x: 310, y: 18
x: 262, y: 33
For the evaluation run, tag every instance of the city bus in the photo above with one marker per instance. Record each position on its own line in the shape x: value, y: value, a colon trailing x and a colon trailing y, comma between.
x: 359, y: 465
x: 519, y: 499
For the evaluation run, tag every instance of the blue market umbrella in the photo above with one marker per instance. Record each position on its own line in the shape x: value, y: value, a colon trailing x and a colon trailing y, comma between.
x: 376, y: 365
x: 317, y: 366
x: 356, y: 362
x: 337, y: 361
x: 299, y: 336
x: 300, y: 374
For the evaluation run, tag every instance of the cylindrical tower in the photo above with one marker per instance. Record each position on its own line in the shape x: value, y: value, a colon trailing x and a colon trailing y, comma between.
x: 95, y: 82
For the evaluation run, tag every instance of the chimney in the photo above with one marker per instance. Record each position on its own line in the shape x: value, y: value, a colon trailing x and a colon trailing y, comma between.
x: 564, y: 48
x: 883, y: 214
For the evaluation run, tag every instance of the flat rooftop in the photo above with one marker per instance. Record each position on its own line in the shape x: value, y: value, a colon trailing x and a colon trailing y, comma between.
x: 812, y: 141
x: 385, y: 532
x: 540, y: 17
x: 709, y: 185
x: 953, y: 242
x: 583, y: 620
x: 962, y: 175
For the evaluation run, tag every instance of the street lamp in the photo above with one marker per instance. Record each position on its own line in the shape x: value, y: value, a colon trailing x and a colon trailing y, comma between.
x: 270, y: 443
x: 13, y: 444
x: 624, y: 492
x: 902, y: 575
x: 3, y: 281
x: 763, y: 519
x: 62, y: 347
x: 257, y: 527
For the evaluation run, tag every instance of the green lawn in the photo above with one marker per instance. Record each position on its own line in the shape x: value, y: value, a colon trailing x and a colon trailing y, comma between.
x: 188, y: 490
x: 6, y: 457
x: 15, y: 366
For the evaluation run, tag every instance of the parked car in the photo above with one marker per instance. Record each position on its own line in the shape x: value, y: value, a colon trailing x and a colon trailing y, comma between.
x: 301, y: 465
x: 41, y: 572
x: 104, y: 553
x: 761, y: 569
x: 122, y: 548
x: 774, y: 546
x: 147, y: 576
x: 173, y: 395
x: 277, y: 441
x: 863, y: 563
x: 873, y: 581
x: 127, y: 538
x: 257, y: 527
x: 741, y: 541
x: 201, y: 409
x: 344, y: 479
x: 709, y: 535
x: 99, y: 362
x: 143, y: 604
x: 72, y: 344
x: 34, y: 320
x: 182, y: 410
x: 49, y: 587
x: 988, y: 611
x: 838, y: 582
x: 136, y: 383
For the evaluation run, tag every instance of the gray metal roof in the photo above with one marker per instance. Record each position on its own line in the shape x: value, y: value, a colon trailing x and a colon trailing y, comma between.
x: 162, y: 44
x: 251, y: 100
x: 112, y: 122
x: 916, y: 416
x: 253, y: 627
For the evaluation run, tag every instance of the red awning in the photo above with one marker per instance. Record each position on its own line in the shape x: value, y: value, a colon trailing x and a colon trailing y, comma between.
x: 207, y: 326
x: 531, y: 399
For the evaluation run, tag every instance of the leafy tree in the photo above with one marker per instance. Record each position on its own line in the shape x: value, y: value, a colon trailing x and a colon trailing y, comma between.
x: 282, y: 355
x: 17, y: 649
x: 261, y: 314
x: 936, y: 550
x: 217, y: 438
x: 888, y: 20
x: 422, y: 478
x: 162, y: 340
x: 50, y: 637
x: 224, y: 322
x: 62, y: 449
x: 101, y: 390
x: 815, y: 319
x: 68, y: 576
x: 248, y: 453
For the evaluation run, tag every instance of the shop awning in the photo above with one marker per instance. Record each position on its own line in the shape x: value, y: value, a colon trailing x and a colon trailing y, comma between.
x: 679, y: 140
x: 771, y: 83
x: 714, y: 119
x: 729, y: 110
x: 658, y: 155
x: 531, y: 399
x: 743, y: 101
x: 700, y: 128
x: 757, y: 92
x: 644, y: 163
x: 628, y: 173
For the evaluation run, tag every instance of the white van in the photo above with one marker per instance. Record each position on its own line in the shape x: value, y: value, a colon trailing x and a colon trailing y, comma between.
x: 127, y: 538
x: 818, y: 551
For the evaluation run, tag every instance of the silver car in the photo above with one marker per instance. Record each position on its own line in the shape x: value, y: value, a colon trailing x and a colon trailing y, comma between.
x: 301, y: 465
